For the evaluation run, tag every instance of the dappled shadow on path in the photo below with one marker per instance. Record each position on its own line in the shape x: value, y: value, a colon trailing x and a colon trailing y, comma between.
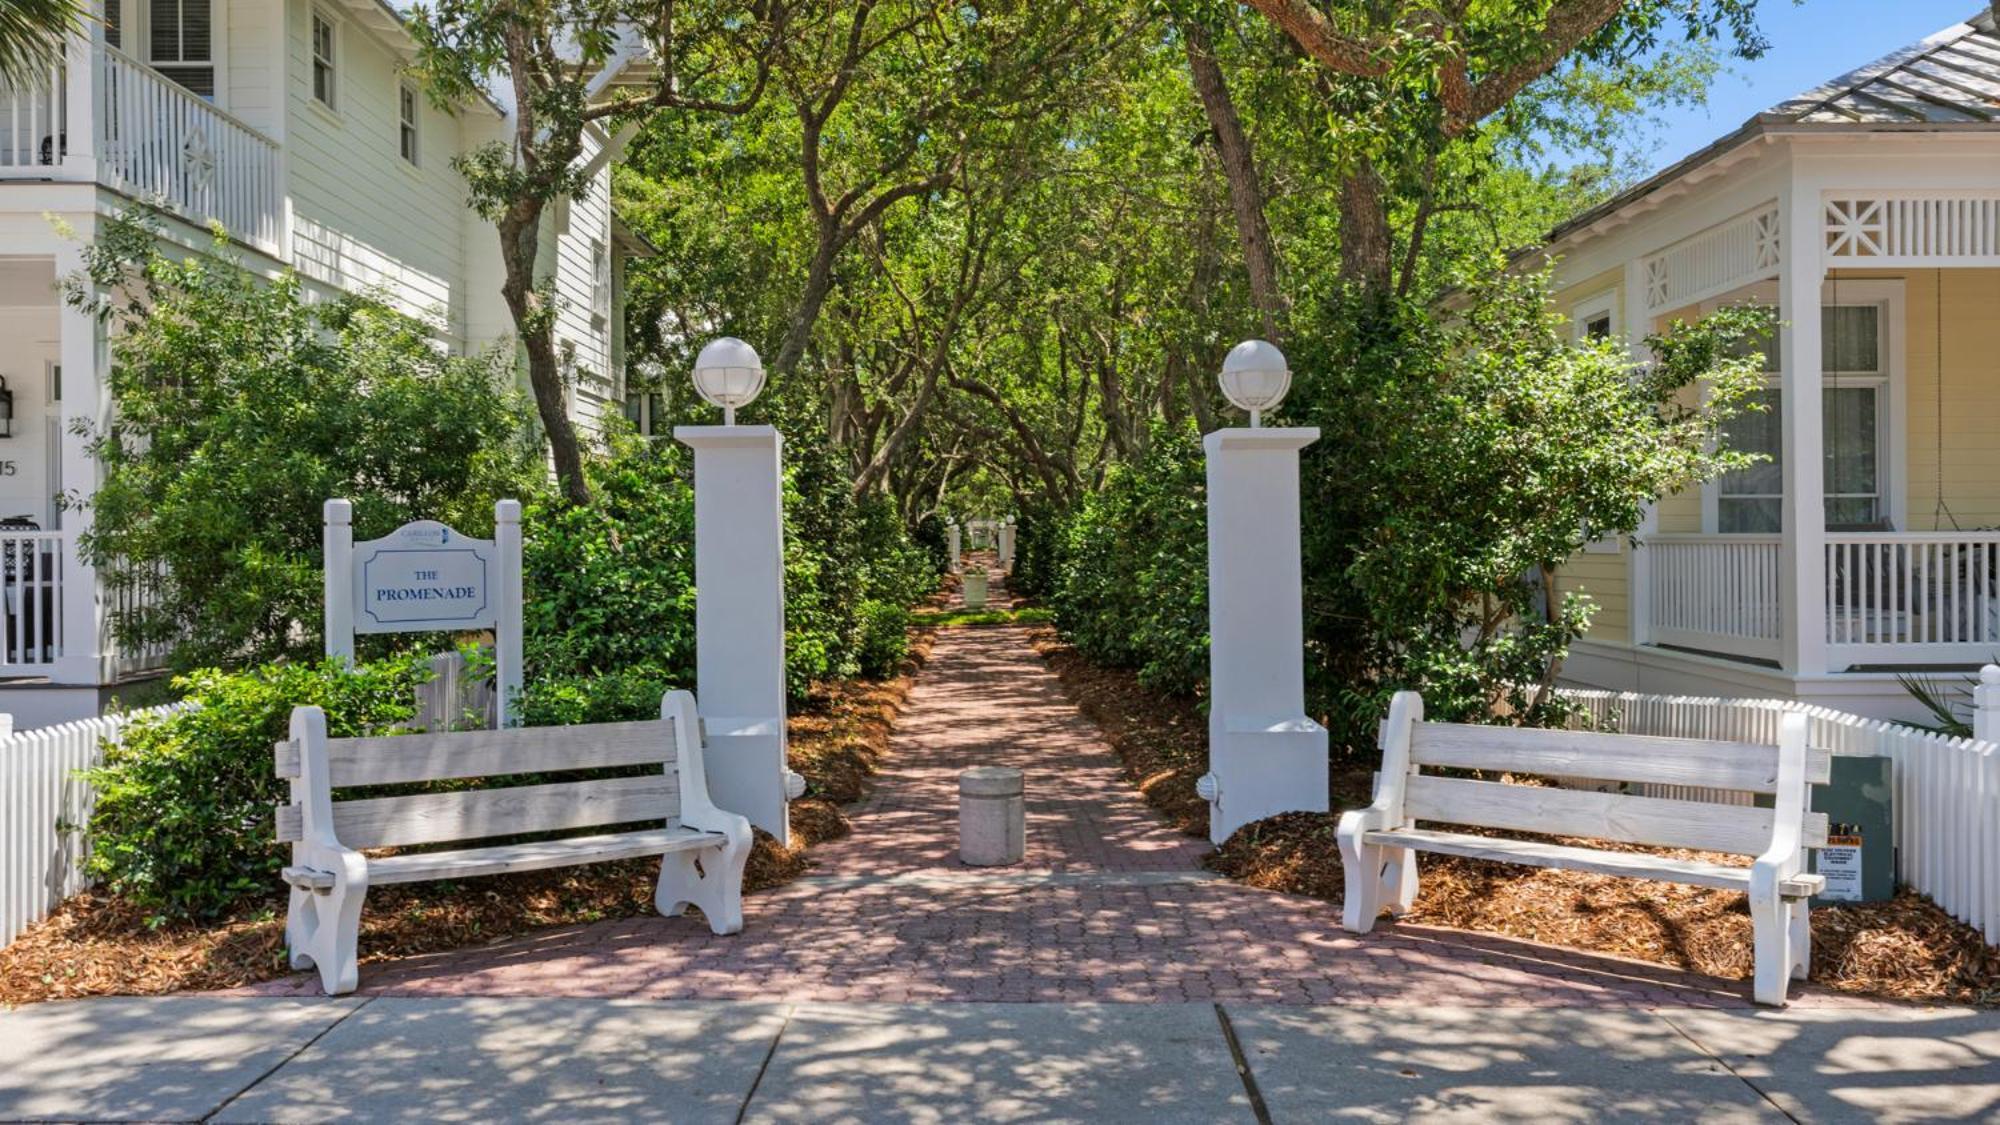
x: 1111, y: 904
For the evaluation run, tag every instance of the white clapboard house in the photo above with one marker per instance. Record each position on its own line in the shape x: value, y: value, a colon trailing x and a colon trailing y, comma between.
x: 1867, y: 211
x: 292, y: 124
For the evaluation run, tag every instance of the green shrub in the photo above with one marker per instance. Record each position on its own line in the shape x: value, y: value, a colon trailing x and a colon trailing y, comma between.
x: 610, y: 594
x: 241, y: 406
x: 1133, y: 586
x: 608, y: 590
x: 1039, y: 535
x: 183, y: 824
x: 882, y: 638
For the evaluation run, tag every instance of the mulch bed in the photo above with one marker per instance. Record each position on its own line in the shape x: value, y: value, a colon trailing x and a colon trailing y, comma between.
x: 1906, y: 948
x: 96, y: 945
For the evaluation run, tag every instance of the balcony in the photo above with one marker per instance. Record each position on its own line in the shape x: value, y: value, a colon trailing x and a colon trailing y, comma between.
x: 108, y: 118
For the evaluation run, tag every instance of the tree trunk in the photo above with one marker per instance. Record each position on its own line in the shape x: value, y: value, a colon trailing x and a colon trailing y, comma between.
x: 819, y: 283
x: 1239, y: 167
x: 1364, y: 230
x: 520, y: 244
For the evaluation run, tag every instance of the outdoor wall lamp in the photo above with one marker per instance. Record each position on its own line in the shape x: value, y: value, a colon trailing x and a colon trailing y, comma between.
x: 729, y: 374
x: 1255, y: 378
x: 6, y: 409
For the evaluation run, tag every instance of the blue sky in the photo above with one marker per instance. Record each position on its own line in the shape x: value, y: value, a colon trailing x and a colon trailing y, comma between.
x: 1810, y: 43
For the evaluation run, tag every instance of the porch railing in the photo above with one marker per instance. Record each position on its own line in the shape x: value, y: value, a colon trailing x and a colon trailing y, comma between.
x: 1716, y: 593
x: 1912, y: 597
x: 150, y: 138
x: 31, y: 624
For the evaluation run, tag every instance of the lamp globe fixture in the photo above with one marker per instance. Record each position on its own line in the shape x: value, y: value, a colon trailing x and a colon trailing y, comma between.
x: 729, y: 374
x: 1255, y: 377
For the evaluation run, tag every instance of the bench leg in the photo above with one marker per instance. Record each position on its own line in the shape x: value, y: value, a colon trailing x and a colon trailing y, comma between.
x: 1399, y: 880
x: 1365, y: 879
x: 1770, y: 920
x: 324, y: 932
x: 1800, y: 926
x: 711, y: 879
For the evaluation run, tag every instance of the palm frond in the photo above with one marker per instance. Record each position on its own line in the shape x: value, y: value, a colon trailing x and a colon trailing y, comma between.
x: 1940, y: 699
x: 31, y: 36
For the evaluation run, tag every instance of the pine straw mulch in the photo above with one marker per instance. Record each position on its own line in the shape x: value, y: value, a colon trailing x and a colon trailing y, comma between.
x: 1906, y: 948
x: 96, y: 945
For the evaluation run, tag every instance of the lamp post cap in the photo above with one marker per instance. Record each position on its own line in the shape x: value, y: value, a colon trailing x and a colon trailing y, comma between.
x: 1254, y: 355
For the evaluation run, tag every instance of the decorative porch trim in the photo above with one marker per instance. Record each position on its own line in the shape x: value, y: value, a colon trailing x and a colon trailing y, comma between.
x: 1923, y: 228
x: 1726, y: 256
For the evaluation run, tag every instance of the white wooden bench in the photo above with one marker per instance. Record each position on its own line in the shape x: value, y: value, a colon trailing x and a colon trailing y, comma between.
x: 703, y: 848
x: 1378, y: 843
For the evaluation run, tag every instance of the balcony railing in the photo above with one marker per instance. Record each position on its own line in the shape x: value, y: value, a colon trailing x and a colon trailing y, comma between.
x: 149, y: 138
x: 1891, y: 597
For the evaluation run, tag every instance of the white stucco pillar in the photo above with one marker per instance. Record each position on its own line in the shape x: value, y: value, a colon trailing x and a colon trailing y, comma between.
x: 739, y: 574
x: 1802, y: 564
x: 1007, y: 546
x: 952, y: 537
x: 86, y: 397
x: 1264, y: 755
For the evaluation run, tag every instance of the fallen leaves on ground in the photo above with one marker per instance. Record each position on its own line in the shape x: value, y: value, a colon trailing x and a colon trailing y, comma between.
x: 96, y: 945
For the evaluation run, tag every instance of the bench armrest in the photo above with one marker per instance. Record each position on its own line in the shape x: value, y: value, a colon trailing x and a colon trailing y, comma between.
x: 319, y: 847
x: 698, y: 809
x: 1786, y: 855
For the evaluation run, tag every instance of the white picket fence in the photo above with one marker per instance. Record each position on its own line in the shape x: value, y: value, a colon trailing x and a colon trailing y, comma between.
x: 1947, y: 790
x: 43, y: 805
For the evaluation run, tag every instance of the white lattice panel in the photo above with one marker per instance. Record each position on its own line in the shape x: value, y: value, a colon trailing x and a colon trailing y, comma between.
x: 1723, y: 257
x: 1913, y: 229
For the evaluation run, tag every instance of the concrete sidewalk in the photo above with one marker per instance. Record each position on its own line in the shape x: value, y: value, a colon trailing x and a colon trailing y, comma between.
x: 273, y: 1059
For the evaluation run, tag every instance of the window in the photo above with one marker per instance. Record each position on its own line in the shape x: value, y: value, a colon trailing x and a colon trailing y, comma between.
x: 1594, y: 319
x: 1853, y: 404
x: 180, y: 44
x: 647, y: 413
x: 114, y: 19
x: 406, y: 107
x: 322, y: 68
x: 600, y: 282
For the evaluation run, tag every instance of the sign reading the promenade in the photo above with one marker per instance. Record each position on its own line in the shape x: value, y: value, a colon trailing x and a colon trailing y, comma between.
x: 424, y: 576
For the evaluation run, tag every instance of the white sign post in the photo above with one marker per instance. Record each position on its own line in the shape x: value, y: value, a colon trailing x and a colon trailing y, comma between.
x: 425, y: 577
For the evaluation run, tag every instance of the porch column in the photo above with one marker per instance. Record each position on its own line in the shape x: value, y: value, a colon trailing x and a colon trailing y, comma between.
x: 86, y: 397
x: 1802, y: 562
x: 1636, y: 322
x: 85, y: 101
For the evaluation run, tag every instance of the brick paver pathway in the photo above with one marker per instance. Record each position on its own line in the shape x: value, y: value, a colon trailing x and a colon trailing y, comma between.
x: 1111, y: 904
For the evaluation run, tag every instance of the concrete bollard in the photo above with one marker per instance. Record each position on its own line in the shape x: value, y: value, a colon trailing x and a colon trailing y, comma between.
x: 992, y: 816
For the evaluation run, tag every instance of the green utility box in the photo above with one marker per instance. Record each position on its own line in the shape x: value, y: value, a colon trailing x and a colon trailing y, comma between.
x: 1859, y: 861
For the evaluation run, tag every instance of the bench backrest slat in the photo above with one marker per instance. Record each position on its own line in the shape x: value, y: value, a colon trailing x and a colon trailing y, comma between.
x: 396, y: 759
x: 1608, y: 757
x: 472, y: 814
x: 1737, y: 829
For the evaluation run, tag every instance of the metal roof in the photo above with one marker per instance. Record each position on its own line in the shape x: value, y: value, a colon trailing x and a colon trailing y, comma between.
x: 1952, y: 77
x: 1948, y: 82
